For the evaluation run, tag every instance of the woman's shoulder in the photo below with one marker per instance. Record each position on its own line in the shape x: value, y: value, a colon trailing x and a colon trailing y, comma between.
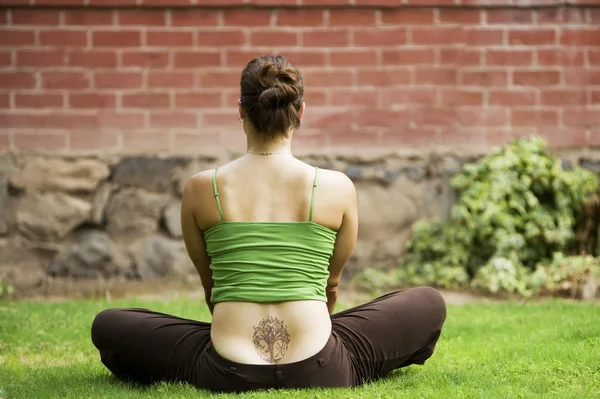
x: 335, y: 182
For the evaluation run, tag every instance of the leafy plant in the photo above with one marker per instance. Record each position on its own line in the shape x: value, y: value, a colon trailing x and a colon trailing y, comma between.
x: 6, y: 289
x: 517, y: 208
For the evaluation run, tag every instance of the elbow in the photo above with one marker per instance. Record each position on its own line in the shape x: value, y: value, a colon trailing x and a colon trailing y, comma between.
x: 331, y: 291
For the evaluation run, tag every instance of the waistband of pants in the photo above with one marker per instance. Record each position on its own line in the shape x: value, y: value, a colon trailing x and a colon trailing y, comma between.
x: 319, y: 359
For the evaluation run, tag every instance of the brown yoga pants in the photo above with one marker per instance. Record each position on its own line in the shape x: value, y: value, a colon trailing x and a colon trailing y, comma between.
x: 366, y: 343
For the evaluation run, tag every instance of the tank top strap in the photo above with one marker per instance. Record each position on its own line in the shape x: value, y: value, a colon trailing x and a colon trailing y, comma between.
x: 312, y: 198
x: 214, y: 182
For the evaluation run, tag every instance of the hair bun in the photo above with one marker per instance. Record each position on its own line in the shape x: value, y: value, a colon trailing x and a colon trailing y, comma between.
x: 278, y: 96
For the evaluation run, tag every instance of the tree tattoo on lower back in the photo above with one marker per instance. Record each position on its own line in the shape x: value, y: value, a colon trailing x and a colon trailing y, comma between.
x: 271, y: 339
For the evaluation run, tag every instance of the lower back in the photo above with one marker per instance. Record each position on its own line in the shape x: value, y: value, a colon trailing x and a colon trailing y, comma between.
x: 270, y: 333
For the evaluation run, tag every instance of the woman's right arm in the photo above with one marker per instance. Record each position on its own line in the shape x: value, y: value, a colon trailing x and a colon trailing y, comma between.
x: 345, y: 241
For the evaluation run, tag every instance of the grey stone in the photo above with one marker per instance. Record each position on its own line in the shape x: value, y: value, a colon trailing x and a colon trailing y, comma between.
x: 566, y: 164
x: 42, y: 174
x: 172, y: 219
x: 51, y: 216
x: 150, y: 173
x: 99, y: 202
x: 415, y: 172
x: 354, y: 172
x: 90, y: 254
x: 22, y: 267
x: 158, y: 256
x: 6, y: 167
x: 591, y: 164
x: 183, y: 174
x: 131, y: 212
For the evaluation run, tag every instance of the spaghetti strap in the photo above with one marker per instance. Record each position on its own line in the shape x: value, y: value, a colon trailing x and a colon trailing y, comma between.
x: 214, y: 181
x: 312, y: 198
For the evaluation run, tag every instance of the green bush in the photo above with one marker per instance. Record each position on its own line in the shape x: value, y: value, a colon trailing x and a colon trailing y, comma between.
x: 517, y: 208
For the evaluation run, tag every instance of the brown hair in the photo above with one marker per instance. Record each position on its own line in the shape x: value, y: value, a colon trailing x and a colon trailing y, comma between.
x: 271, y: 95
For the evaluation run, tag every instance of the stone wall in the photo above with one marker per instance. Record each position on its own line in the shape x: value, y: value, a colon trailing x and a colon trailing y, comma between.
x: 88, y: 218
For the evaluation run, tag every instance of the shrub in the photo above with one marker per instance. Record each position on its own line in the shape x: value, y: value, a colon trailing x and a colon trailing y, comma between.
x: 517, y: 208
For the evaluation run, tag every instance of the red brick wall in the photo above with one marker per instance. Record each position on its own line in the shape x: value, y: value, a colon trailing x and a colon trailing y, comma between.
x: 107, y: 74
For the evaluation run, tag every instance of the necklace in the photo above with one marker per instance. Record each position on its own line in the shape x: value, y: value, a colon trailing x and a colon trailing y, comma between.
x: 268, y: 153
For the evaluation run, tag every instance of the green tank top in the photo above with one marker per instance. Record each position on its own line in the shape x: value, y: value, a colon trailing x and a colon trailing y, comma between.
x: 269, y: 261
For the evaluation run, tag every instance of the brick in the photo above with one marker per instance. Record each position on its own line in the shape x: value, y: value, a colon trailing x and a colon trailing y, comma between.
x: 595, y: 97
x: 219, y: 79
x: 36, y: 58
x: 375, y: 117
x: 534, y: 117
x: 350, y: 17
x: 300, y: 17
x: 17, y: 80
x: 580, y: 37
x: 460, y: 57
x: 353, y: 58
x: 42, y: 100
x: 563, y: 97
x: 461, y: 137
x: 240, y: 58
x: 221, y: 38
x: 562, y: 16
x: 325, y: 37
x: 303, y: 58
x: 410, y: 138
x: 564, y: 137
x: 327, y: 78
x: 200, y: 99
x: 220, y: 118
x: 4, y: 141
x: 63, y: 38
x: 420, y: 56
x: 529, y: 37
x: 387, y: 77
x: 194, y: 143
x: 509, y: 57
x: 354, y: 98
x: 194, y: 18
x: 484, y: 78
x: 145, y: 59
x: 86, y: 17
x: 13, y: 38
x: 363, y: 139
x: 147, y: 100
x: 594, y: 57
x: 273, y: 38
x: 436, y: 76
x: 536, y: 78
x: 108, y: 119
x: 173, y: 120
x: 5, y: 101
x: 168, y: 79
x: 467, y: 16
x: 477, y: 116
x: 309, y: 142
x: 169, y: 39
x: 92, y: 100
x: 484, y: 37
x: 119, y: 38
x: 581, y: 117
x: 435, y: 116
x: 93, y: 140
x: 459, y: 97
x: 380, y: 37
x: 407, y: 16
x: 566, y: 56
x: 584, y: 77
x: 316, y: 97
x: 438, y: 35
x: 509, y: 16
x: 247, y: 17
x: 5, y: 58
x: 48, y: 121
x: 512, y: 98
x: 195, y: 59
x: 143, y: 18
x: 92, y: 59
x: 117, y: 80
x: 39, y: 140
x: 407, y: 96
x: 137, y: 142
x: 65, y: 80
x: 35, y: 17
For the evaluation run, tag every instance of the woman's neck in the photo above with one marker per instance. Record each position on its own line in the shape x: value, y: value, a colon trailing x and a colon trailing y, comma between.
x: 261, y: 146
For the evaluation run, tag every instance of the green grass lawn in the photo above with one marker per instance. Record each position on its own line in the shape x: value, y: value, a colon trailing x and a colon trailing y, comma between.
x: 487, y: 350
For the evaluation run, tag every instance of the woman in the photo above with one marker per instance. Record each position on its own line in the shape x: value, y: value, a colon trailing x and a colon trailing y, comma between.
x: 269, y: 236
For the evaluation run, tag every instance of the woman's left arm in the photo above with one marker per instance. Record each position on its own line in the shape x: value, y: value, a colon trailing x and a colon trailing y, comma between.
x: 194, y: 240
